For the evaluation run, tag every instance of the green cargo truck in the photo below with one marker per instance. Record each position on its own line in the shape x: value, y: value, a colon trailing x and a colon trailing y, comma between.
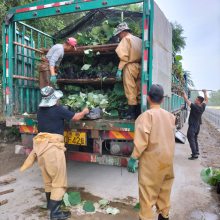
x: 103, y: 141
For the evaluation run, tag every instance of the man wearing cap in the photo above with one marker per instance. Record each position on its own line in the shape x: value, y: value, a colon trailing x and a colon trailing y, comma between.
x: 48, y: 66
x: 154, y: 143
x: 48, y: 147
x: 129, y: 53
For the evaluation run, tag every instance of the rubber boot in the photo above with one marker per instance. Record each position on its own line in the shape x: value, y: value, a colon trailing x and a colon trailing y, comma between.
x: 56, y: 213
x: 160, y: 217
x: 131, y: 112
x: 48, y: 198
x: 138, y: 110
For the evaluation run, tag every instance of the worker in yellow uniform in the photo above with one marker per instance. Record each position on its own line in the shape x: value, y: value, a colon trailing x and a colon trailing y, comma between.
x: 48, y: 147
x: 129, y: 53
x: 154, y: 143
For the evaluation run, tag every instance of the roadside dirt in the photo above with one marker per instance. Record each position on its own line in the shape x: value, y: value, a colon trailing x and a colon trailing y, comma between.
x: 209, y: 141
x: 8, y: 159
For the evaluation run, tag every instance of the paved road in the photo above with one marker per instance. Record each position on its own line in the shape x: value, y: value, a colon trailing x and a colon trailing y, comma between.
x: 213, y: 115
x: 191, y: 199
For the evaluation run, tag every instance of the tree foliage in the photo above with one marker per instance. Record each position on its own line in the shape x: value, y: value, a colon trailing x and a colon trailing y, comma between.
x: 133, y: 7
x: 215, y: 98
x: 179, y: 41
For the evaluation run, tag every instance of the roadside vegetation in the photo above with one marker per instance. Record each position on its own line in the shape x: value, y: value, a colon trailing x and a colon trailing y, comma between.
x: 214, y: 99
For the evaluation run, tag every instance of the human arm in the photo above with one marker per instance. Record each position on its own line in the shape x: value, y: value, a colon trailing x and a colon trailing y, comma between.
x: 123, y: 51
x: 141, y: 137
x: 52, y: 71
x: 69, y: 115
x: 141, y: 134
x: 188, y: 102
x: 55, y: 58
x: 78, y: 116
x: 205, y: 96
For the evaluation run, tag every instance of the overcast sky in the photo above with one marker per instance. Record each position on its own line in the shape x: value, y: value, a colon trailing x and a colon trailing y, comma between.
x: 201, y: 23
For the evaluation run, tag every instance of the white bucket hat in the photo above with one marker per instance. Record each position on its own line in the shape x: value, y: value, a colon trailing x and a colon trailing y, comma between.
x: 50, y: 96
x: 121, y: 27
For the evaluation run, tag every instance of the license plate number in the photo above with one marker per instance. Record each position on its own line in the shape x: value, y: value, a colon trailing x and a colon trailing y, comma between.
x: 76, y: 138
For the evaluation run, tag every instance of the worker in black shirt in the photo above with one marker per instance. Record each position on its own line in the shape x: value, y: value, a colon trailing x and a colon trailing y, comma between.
x: 48, y: 147
x: 197, y: 109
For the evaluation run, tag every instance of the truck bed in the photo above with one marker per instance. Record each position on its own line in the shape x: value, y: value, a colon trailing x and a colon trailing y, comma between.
x: 98, y: 124
x: 104, y: 124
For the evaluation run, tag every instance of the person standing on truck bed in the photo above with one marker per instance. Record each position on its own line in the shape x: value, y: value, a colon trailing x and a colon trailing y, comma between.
x: 48, y: 147
x: 129, y: 53
x: 197, y: 109
x: 154, y: 144
x: 49, y: 65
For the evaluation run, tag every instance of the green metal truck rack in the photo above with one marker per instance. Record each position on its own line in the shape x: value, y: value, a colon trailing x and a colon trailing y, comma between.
x: 108, y: 141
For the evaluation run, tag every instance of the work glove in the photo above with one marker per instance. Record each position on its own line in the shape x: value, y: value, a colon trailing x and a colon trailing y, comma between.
x: 118, y: 75
x: 132, y: 165
x: 53, y: 79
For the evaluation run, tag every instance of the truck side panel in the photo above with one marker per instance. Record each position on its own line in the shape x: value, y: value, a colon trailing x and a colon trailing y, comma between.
x: 162, y: 51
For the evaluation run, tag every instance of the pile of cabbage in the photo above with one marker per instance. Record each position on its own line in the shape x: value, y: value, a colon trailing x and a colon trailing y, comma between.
x: 111, y: 101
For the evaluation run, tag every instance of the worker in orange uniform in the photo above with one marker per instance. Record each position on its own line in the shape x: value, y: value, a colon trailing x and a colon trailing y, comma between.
x: 129, y: 53
x: 48, y: 147
x: 154, y: 143
x: 49, y: 65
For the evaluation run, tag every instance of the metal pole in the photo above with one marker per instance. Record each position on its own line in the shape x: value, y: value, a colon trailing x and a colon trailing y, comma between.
x: 28, y: 47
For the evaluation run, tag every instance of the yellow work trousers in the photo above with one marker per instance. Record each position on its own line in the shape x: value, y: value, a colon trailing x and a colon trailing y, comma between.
x: 53, y: 167
x: 132, y: 83
x: 155, y: 190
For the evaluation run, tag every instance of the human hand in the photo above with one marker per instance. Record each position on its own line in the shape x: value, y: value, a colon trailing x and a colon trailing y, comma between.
x: 204, y: 91
x: 132, y: 165
x: 118, y: 75
x: 85, y: 111
x: 184, y: 94
x: 53, y: 79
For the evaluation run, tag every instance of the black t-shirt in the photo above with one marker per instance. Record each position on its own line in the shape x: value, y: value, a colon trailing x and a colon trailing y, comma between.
x: 51, y: 119
x: 196, y: 114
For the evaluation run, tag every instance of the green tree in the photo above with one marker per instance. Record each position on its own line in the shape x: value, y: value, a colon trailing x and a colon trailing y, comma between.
x: 214, y: 99
x: 179, y: 41
x: 138, y: 7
